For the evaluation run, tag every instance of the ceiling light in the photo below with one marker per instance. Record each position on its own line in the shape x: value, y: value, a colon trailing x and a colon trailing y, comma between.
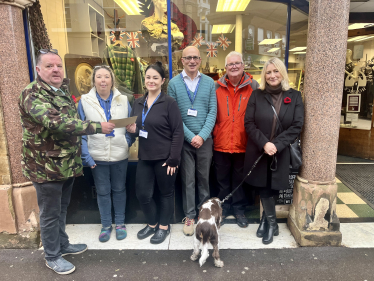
x: 299, y: 53
x: 232, y: 5
x: 362, y: 39
x: 298, y: 49
x: 359, y: 25
x: 269, y: 41
x: 273, y: 50
x: 130, y: 7
x: 222, y: 28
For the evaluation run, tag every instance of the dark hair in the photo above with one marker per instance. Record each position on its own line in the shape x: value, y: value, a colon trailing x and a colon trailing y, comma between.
x: 158, y: 67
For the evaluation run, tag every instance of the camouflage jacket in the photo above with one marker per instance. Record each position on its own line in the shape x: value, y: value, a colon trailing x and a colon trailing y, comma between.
x: 51, y: 139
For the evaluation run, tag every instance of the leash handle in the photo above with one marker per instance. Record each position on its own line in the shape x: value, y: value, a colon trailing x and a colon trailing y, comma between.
x: 250, y: 171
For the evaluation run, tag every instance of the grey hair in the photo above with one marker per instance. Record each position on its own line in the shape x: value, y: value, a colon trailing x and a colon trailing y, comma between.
x: 282, y: 70
x: 234, y: 53
x: 40, y: 55
x: 106, y: 67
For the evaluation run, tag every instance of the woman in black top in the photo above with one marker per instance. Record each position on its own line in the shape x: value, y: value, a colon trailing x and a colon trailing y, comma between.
x: 265, y: 135
x: 160, y: 129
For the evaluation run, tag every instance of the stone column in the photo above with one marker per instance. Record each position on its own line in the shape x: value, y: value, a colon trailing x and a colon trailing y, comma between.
x: 18, y: 206
x: 312, y: 218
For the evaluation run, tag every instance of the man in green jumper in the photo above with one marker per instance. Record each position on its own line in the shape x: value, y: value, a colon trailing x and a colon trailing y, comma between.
x: 196, y: 98
x: 51, y: 153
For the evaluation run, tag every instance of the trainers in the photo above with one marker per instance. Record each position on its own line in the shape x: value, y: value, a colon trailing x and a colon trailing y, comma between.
x: 105, y: 234
x: 188, y: 228
x: 121, y: 232
x: 60, y: 266
x: 74, y: 249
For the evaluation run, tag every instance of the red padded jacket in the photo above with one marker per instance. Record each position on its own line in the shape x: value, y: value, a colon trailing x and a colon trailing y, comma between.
x: 229, y: 133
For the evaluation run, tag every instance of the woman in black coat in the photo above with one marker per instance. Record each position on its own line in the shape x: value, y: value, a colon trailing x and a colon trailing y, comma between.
x: 265, y: 135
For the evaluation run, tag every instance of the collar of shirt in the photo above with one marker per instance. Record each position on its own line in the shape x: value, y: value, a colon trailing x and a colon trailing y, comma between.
x: 107, y: 100
x: 184, y: 74
x: 55, y: 89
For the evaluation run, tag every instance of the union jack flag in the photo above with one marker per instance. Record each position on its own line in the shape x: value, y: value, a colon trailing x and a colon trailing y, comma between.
x: 132, y: 39
x: 112, y: 36
x: 197, y: 41
x: 211, y: 49
x: 223, y: 42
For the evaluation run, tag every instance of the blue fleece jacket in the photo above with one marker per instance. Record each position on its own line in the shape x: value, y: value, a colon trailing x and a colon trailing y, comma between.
x: 205, y: 103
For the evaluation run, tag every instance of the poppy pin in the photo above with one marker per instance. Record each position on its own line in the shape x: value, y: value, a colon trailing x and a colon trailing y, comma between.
x: 132, y: 59
x: 287, y: 100
x: 74, y: 98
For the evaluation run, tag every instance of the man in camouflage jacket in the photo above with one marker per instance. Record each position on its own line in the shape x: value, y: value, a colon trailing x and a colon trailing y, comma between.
x: 51, y: 153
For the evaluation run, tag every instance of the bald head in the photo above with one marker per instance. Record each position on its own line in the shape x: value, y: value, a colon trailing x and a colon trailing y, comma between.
x: 191, y: 61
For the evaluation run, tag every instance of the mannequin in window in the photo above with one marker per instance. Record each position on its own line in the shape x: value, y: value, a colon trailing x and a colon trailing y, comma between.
x: 154, y: 30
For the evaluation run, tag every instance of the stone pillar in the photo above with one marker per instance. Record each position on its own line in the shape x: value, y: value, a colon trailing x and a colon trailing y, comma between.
x: 239, y: 33
x: 18, y: 206
x: 312, y: 218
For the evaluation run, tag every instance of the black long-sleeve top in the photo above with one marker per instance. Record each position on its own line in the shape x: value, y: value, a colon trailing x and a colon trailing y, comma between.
x: 165, y: 130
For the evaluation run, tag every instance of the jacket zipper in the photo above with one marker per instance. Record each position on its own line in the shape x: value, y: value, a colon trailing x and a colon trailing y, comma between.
x: 240, y: 100
x: 228, y: 111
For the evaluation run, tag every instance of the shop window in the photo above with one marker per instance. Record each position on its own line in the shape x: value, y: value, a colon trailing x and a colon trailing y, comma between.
x: 358, y: 94
x: 212, y: 28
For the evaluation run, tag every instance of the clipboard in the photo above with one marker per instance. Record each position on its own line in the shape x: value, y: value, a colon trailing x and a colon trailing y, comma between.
x: 120, y: 123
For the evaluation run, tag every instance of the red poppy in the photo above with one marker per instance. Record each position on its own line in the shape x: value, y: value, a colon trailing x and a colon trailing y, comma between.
x: 74, y: 98
x: 287, y: 100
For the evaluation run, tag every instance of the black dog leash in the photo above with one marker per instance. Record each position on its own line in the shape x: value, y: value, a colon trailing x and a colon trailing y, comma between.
x: 250, y: 171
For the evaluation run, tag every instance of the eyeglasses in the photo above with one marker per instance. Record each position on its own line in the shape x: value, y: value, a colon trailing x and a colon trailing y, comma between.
x: 195, y: 58
x: 46, y: 51
x: 231, y: 65
x: 101, y: 66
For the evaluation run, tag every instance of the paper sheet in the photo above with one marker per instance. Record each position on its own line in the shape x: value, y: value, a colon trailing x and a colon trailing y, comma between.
x: 120, y: 123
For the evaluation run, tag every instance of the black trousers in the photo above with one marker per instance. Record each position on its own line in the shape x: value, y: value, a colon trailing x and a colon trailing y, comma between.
x: 229, y: 174
x: 53, y: 200
x: 147, y: 172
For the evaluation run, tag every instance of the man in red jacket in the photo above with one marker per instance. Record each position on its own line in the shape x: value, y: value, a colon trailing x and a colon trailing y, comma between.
x: 230, y: 139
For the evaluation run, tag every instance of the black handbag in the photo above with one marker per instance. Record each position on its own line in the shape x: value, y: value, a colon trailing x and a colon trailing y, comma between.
x: 295, y: 149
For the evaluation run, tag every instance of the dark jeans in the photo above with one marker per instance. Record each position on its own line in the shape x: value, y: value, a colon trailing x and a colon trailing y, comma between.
x: 229, y: 174
x: 111, y: 180
x: 195, y: 163
x: 147, y: 173
x: 53, y: 200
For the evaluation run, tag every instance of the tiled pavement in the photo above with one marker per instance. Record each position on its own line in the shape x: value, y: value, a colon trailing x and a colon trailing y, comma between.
x: 350, y: 207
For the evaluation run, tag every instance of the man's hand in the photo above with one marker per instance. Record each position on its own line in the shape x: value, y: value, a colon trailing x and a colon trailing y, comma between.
x: 197, y: 141
x: 107, y: 128
x: 270, y: 148
x: 131, y: 128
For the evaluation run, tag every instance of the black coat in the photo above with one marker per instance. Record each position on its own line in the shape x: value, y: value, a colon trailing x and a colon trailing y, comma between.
x: 258, y: 124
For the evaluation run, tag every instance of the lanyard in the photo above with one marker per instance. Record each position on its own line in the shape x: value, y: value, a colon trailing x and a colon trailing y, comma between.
x: 188, y: 90
x: 149, y: 109
x: 102, y: 104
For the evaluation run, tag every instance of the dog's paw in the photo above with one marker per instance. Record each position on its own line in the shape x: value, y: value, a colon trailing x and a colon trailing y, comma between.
x: 194, y: 257
x: 218, y: 263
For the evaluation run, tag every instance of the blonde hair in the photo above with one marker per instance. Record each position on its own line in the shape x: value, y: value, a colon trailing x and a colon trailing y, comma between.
x: 233, y: 53
x: 106, y: 67
x: 279, y: 65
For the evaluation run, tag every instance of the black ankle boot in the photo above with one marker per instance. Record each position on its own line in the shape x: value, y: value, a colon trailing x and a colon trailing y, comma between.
x: 263, y: 227
x: 273, y: 230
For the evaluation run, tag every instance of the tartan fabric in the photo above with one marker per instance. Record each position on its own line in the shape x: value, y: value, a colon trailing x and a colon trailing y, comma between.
x: 123, y: 64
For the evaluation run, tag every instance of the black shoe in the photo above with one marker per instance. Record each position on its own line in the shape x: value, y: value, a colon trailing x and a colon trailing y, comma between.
x: 146, y: 232
x: 273, y: 230
x: 263, y: 227
x: 241, y: 220
x: 160, y: 235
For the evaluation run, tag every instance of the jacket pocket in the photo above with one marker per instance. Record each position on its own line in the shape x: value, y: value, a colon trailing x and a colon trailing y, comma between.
x: 60, y: 165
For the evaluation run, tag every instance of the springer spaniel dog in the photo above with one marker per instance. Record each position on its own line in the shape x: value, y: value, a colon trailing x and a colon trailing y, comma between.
x: 207, y: 227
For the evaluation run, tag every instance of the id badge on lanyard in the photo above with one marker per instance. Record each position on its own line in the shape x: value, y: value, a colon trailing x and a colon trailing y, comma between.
x: 191, y: 111
x: 143, y: 133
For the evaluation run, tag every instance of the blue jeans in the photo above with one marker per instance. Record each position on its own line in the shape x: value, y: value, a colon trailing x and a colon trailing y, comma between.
x: 111, y: 179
